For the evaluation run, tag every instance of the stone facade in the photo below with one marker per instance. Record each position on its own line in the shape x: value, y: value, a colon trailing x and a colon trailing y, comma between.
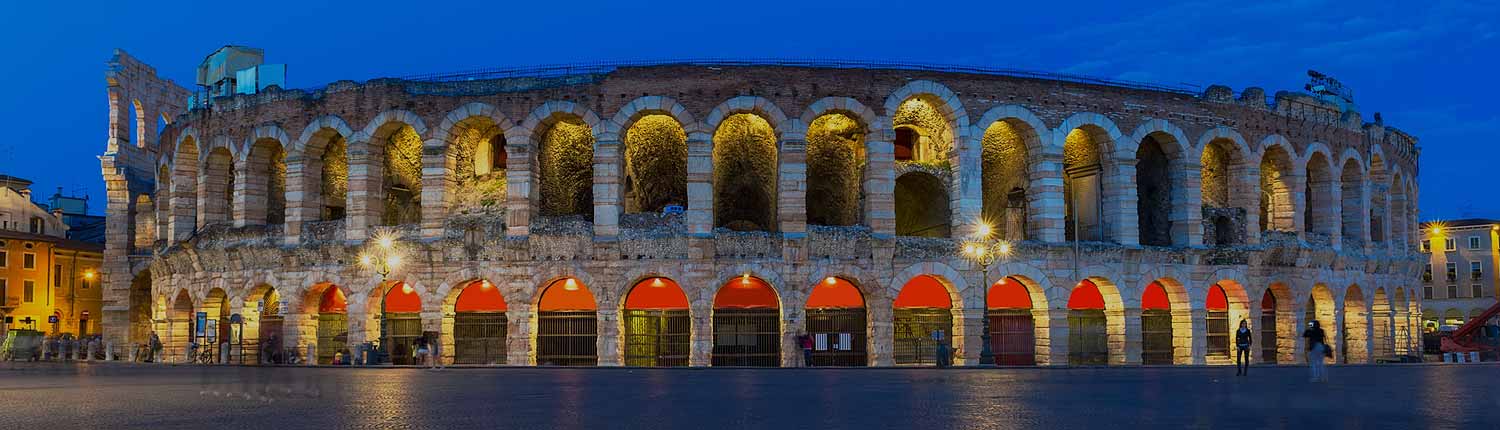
x: 235, y: 256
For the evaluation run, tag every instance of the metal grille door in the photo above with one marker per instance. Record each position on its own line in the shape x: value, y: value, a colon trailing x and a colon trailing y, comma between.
x: 1012, y: 337
x: 1268, y: 337
x: 1088, y: 340
x: 401, y: 333
x: 913, y: 334
x: 657, y: 337
x: 566, y: 338
x: 747, y: 337
x: 838, y: 336
x: 1217, y: 325
x: 1156, y: 337
x: 479, y: 338
x: 333, y: 335
x: 269, y: 338
x: 1382, y: 340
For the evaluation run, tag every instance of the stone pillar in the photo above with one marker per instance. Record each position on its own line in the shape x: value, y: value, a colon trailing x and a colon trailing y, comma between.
x: 1121, y: 221
x: 791, y: 187
x: 608, y: 173
x: 880, y: 188
x: 1187, y: 203
x: 437, y: 186
x: 302, y: 196
x: 701, y: 354
x: 364, y: 196
x: 1115, y: 326
x: 1256, y: 344
x: 184, y: 213
x: 1195, y: 337
x: 1042, y: 335
x: 700, y: 185
x: 1045, y: 218
x: 1247, y: 195
x: 967, y: 202
x: 1057, y: 337
x: 609, y: 340
x: 519, y: 179
x: 882, y: 335
x: 967, y: 336
x: 795, y: 319
x: 250, y: 190
x: 519, y: 328
x: 115, y: 267
x: 1130, y: 351
x: 1297, y: 193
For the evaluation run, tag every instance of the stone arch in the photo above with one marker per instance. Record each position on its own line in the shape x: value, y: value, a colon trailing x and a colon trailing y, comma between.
x: 644, y: 106
x: 1179, y: 314
x: 653, y: 161
x: 393, y: 143
x: 319, y: 168
x: 1012, y: 319
x: 908, y: 108
x: 740, y: 311
x: 1319, y: 206
x: 755, y: 105
x: 183, y: 217
x: 838, y: 131
x: 1225, y: 188
x: 919, y: 308
x: 261, y: 195
x: 179, y: 326
x: 216, y: 195
x: 143, y: 223
x: 1093, y: 166
x: 473, y: 142
x: 1355, y: 330
x: 1320, y: 305
x: 1379, y: 183
x: 1382, y: 329
x: 478, y: 325
x: 1235, y: 308
x: 1008, y: 154
x: 1285, y: 332
x: 745, y: 171
x: 922, y: 206
x: 1096, y: 322
x: 1402, y: 327
x: 1164, y: 210
x: 562, y: 137
x: 1278, y: 180
x: 1398, y: 200
x: 1352, y: 202
x: 141, y: 315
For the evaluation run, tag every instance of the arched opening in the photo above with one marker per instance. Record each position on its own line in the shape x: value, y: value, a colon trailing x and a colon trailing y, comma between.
x: 1088, y: 335
x: 143, y: 224
x: 401, y: 317
x: 270, y: 330
x: 1454, y: 317
x: 836, y: 320
x: 1156, y: 325
x: 163, y: 198
x: 567, y: 325
x: 1153, y: 181
x: 180, y: 327
x: 1276, y: 206
x: 655, y: 164
x: 333, y: 323
x: 1379, y: 189
x: 401, y: 174
x: 1398, y: 220
x: 658, y: 329
x: 139, y: 316
x: 1355, y: 330
x: 1318, y: 216
x: 326, y: 175
x: 136, y: 124
x: 747, y: 324
x: 1382, y: 330
x: 835, y: 161
x: 1268, y: 324
x: 923, y: 322
x: 1320, y: 308
x: 479, y: 324
x: 1005, y: 177
x: 745, y: 174
x: 1216, y: 322
x: 922, y: 132
x: 922, y: 206
x: 218, y: 187
x: 1012, y: 328
x: 1083, y: 187
x: 1352, y: 209
x: 184, y: 189
x: 266, y: 183
x: 478, y: 149
x: 566, y: 166
x: 1402, y: 326
x: 1221, y: 198
x: 216, y: 327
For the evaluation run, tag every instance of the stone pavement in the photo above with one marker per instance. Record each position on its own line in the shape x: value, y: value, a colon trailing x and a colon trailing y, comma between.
x: 61, y: 396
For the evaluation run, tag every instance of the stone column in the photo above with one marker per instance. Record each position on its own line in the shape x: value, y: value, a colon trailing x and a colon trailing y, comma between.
x: 1187, y: 203
x: 967, y: 336
x: 1296, y: 192
x: 880, y: 188
x: 701, y: 354
x: 437, y: 186
x: 519, y: 328
x: 700, y: 186
x: 882, y: 335
x: 1196, y: 338
x: 608, y: 173
x: 794, y: 320
x: 1121, y: 220
x: 1057, y: 334
x: 1115, y: 326
x: 364, y: 196
x: 1256, y: 344
x: 1133, y: 341
x: 791, y: 187
x: 302, y: 196
x: 608, y: 343
x: 518, y: 191
x: 1045, y: 218
x: 1246, y: 195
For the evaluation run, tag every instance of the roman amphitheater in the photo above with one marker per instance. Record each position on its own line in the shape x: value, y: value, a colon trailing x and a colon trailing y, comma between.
x: 710, y: 213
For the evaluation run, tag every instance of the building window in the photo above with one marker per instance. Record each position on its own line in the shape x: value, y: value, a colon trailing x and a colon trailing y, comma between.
x: 4, y: 257
x: 1474, y: 242
x: 28, y: 291
x: 1452, y: 292
x: 1427, y: 292
x: 1427, y: 245
x: 1427, y: 273
x: 1476, y: 270
x: 57, y: 275
x: 28, y: 261
x: 1449, y: 245
x: 38, y: 226
x: 1452, y: 271
x: 4, y: 299
x: 1476, y: 291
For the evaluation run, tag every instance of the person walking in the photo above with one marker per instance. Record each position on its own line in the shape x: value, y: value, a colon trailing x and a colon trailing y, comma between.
x: 154, y: 347
x: 942, y: 348
x: 1242, y: 347
x: 421, y: 350
x: 1317, y: 349
x: 806, y: 342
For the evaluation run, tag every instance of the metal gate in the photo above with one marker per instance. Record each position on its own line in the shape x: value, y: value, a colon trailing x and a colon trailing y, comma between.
x: 333, y: 335
x: 657, y: 337
x: 269, y: 339
x: 1383, y: 347
x: 1156, y: 336
x: 1268, y: 337
x: 747, y: 337
x: 838, y: 336
x: 1012, y: 337
x: 913, y: 334
x: 1217, y: 325
x: 479, y: 338
x: 1088, y: 339
x: 566, y: 338
x: 401, y: 333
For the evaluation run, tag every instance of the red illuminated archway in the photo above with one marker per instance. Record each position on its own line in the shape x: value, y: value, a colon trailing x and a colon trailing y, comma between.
x: 567, y: 294
x: 923, y: 292
x: 746, y: 292
x: 658, y: 294
x: 1217, y: 300
x: 1008, y: 293
x: 402, y: 298
x: 1086, y: 296
x: 332, y: 301
x: 480, y: 296
x: 835, y: 293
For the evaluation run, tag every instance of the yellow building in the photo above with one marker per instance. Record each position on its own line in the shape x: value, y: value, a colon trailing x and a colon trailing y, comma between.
x: 47, y: 281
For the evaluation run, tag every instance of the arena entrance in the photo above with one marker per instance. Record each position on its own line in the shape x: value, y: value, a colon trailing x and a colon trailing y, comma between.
x: 216, y: 329
x: 1156, y: 325
x: 658, y: 330
x: 922, y: 319
x: 1216, y: 323
x: 179, y: 328
x: 479, y: 325
x: 1088, y: 334
x: 836, y: 321
x: 333, y: 323
x: 402, y: 318
x: 567, y: 325
x: 271, y: 329
x: 1012, y: 331
x: 1268, y: 347
x: 747, y: 324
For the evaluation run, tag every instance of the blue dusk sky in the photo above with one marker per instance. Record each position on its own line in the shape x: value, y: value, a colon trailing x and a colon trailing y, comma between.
x: 1429, y: 68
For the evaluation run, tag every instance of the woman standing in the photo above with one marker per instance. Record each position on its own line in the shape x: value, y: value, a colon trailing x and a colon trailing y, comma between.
x: 1242, y: 346
x: 1317, y: 349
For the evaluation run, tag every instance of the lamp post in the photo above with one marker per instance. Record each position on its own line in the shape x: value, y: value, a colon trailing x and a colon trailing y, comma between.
x: 382, y: 259
x: 983, y: 249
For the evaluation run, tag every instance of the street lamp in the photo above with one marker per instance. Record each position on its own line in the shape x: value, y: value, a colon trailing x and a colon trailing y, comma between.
x: 382, y: 258
x: 983, y: 249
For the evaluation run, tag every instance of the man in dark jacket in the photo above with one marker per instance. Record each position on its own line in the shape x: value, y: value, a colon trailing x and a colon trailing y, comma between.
x: 1242, y: 349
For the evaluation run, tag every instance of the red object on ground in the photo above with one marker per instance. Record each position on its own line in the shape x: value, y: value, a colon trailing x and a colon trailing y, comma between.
x: 1462, y: 340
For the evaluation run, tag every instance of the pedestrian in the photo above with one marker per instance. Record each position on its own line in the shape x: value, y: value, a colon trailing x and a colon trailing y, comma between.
x: 942, y: 348
x: 154, y: 348
x: 806, y: 341
x: 1316, y: 351
x: 1242, y: 349
x: 421, y: 346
